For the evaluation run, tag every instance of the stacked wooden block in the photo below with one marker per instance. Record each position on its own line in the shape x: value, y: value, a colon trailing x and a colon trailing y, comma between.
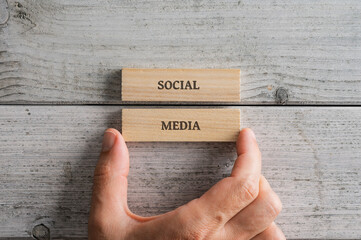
x: 181, y: 85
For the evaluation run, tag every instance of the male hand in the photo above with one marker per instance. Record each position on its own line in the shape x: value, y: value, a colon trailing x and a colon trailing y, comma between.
x: 242, y: 206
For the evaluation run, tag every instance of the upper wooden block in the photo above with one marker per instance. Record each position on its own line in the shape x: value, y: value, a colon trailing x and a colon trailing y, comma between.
x: 181, y: 85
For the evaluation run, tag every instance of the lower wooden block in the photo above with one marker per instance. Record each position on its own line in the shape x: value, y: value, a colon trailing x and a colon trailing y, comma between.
x: 183, y: 125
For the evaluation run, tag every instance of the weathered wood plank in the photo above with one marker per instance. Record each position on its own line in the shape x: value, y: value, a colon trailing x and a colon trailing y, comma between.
x: 55, y: 51
x: 311, y: 157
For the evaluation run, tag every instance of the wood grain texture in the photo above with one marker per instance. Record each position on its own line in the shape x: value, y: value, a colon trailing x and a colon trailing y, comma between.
x: 54, y: 51
x: 185, y: 85
x: 180, y: 125
x: 311, y: 157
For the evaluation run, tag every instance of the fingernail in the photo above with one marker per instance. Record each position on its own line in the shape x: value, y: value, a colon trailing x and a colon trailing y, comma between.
x: 250, y: 131
x: 108, y: 141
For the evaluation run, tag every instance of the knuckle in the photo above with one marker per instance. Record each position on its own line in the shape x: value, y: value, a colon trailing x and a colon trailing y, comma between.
x: 249, y: 188
x: 273, y: 205
x: 102, y: 170
x: 219, y: 218
x: 100, y: 181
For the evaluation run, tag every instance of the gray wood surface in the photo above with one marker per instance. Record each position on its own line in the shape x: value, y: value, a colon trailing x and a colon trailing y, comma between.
x: 71, y: 51
x: 311, y: 156
x: 298, y: 52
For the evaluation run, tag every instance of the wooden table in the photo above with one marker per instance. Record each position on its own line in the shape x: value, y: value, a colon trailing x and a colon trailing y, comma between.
x: 60, y: 84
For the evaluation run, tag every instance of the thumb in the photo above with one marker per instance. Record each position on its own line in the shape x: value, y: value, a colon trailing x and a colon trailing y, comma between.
x: 249, y: 157
x: 110, y: 175
x: 230, y: 195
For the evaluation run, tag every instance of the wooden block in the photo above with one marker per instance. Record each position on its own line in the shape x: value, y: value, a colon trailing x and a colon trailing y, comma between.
x: 183, y: 125
x: 183, y: 85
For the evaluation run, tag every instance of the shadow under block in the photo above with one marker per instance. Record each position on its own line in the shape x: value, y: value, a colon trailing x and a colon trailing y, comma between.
x: 183, y: 85
x: 180, y: 125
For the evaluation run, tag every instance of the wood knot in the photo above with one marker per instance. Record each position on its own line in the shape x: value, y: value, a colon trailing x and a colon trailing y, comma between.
x: 23, y: 15
x: 281, y: 95
x: 4, y: 12
x: 41, y: 232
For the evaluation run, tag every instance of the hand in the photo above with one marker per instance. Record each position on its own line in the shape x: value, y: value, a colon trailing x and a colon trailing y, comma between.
x: 242, y: 206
